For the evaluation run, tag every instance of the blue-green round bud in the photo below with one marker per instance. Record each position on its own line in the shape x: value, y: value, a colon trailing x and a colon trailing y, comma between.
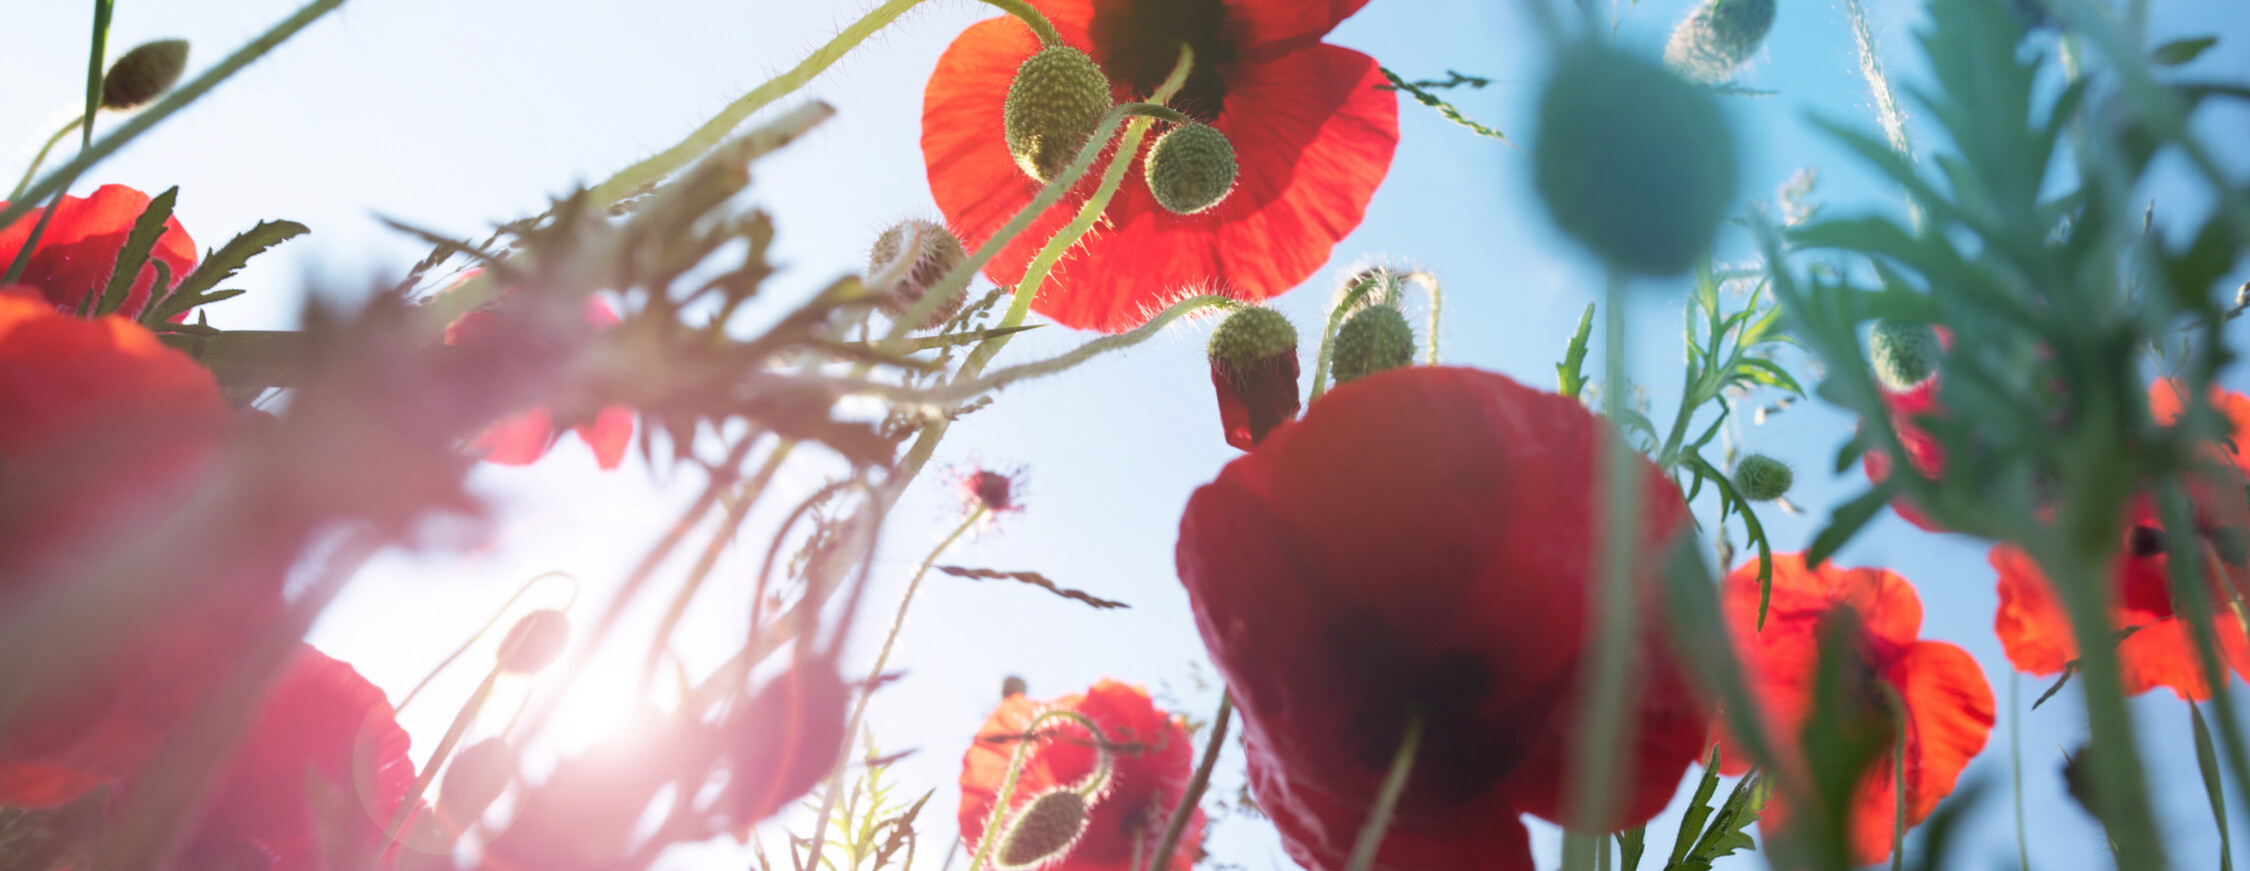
x: 1375, y: 339
x: 1760, y: 478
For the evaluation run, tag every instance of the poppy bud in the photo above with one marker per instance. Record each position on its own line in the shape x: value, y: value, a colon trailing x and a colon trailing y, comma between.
x: 936, y: 251
x: 144, y: 74
x: 474, y: 779
x: 1057, y: 98
x: 1371, y: 341
x: 1718, y: 37
x: 1013, y: 686
x: 786, y: 739
x: 1904, y: 354
x: 1760, y: 478
x: 535, y: 641
x: 1254, y: 368
x: 1190, y: 169
x: 1044, y: 830
x: 1634, y: 162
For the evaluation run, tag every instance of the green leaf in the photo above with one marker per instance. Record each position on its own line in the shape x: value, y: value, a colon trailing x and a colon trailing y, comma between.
x: 1843, y: 523
x: 2180, y: 51
x: 1570, y: 374
x: 2207, y: 759
x: 1698, y: 810
x: 220, y: 265
x: 1630, y: 844
x: 1726, y: 833
x: 134, y: 255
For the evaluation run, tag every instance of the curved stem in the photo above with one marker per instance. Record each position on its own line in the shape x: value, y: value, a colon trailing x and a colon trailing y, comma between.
x: 1609, y: 678
x: 1015, y: 769
x: 1032, y: 17
x: 1386, y: 801
x: 662, y: 163
x: 1365, y: 284
x: 16, y: 193
x: 738, y: 508
x: 1429, y: 284
x: 489, y: 622
x: 428, y: 775
x: 1161, y: 860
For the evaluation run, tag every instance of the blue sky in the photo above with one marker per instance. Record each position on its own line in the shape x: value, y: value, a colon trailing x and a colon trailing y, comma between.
x: 458, y: 115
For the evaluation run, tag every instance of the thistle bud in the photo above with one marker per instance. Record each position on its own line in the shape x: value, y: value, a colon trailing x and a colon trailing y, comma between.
x: 1254, y: 368
x: 936, y: 251
x: 1632, y: 161
x: 1904, y: 354
x: 1715, y: 39
x: 144, y: 74
x: 535, y: 641
x: 1760, y: 478
x: 474, y: 780
x: 1190, y: 169
x: 1057, y: 98
x: 1045, y: 830
x: 1375, y: 339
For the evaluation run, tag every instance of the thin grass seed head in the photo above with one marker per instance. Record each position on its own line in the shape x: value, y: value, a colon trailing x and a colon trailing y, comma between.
x: 1904, y: 354
x: 1057, y: 98
x: 936, y: 252
x: 144, y: 74
x: 1375, y: 339
x: 1760, y: 478
x: 1191, y: 168
x: 1718, y: 38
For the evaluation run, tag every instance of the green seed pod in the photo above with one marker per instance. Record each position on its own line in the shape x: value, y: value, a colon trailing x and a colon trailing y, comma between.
x: 1044, y: 830
x: 1760, y: 478
x: 144, y: 74
x: 1715, y: 39
x: 1371, y: 341
x: 1251, y: 334
x: 1634, y: 162
x: 1191, y: 168
x: 1254, y: 369
x: 1059, y: 95
x: 1904, y: 354
x: 936, y: 252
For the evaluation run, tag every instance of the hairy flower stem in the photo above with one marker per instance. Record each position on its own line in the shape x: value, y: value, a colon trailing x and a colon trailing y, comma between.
x: 1016, y: 762
x: 431, y: 766
x: 40, y: 158
x: 173, y: 102
x: 875, y: 675
x: 739, y: 504
x: 1609, y: 679
x: 1344, y: 308
x: 1386, y: 800
x: 1429, y: 284
x: 1176, y: 828
x: 85, y: 123
x: 1032, y: 18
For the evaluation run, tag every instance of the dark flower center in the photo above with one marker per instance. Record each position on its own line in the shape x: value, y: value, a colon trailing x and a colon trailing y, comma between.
x: 1463, y: 752
x: 1138, y: 43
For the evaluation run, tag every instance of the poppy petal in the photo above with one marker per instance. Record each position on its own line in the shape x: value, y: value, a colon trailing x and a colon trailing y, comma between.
x: 2034, y: 629
x: 1318, y: 831
x: 78, y: 251
x: 1268, y: 28
x: 519, y: 440
x: 609, y: 435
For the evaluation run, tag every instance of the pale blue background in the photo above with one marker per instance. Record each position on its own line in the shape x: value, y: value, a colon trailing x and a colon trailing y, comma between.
x: 455, y: 115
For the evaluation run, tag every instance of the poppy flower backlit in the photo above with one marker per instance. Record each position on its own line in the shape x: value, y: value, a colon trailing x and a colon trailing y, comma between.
x: 525, y: 438
x: 1152, y: 757
x: 1948, y: 708
x: 1423, y: 540
x: 78, y: 252
x: 1311, y: 131
x: 2164, y: 404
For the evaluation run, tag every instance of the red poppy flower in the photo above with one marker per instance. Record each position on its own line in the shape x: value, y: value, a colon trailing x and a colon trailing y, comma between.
x: 1923, y: 451
x: 1948, y: 705
x: 1311, y: 131
x: 321, y: 770
x: 78, y: 252
x: 525, y: 438
x: 2156, y: 649
x: 1150, y: 775
x: 102, y: 428
x: 1421, y: 540
x: 2164, y: 404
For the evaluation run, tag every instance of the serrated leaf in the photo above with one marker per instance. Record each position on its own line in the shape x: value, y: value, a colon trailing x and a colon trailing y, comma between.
x: 2180, y: 51
x: 221, y: 264
x: 1698, y: 810
x: 1843, y: 523
x: 1727, y: 832
x: 133, y: 256
x: 1570, y: 375
x: 1630, y: 844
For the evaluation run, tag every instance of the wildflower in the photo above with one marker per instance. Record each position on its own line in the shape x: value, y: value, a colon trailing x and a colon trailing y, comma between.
x: 1152, y: 758
x: 2157, y: 647
x: 2166, y: 405
x: 1253, y: 357
x: 78, y: 252
x: 1931, y: 690
x: 319, y: 773
x: 1310, y: 131
x: 1420, y: 541
x: 1374, y: 339
x: 525, y: 438
x: 786, y: 739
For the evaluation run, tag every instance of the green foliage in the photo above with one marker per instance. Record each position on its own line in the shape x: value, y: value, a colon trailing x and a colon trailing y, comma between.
x: 134, y: 253
x: 1708, y: 834
x: 872, y: 827
x: 2207, y: 761
x: 1570, y: 374
x: 196, y: 289
x: 2181, y: 51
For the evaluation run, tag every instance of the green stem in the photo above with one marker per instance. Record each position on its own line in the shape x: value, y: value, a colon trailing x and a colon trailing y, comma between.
x: 875, y: 675
x: 1609, y: 678
x: 102, y: 12
x: 2015, y: 763
x: 1032, y: 17
x: 41, y: 158
x: 2193, y: 600
x: 2119, y: 782
x: 1193, y: 795
x: 663, y: 163
x: 1429, y: 283
x: 173, y: 102
x: 481, y: 632
x: 428, y: 775
x: 1007, y: 791
x: 1386, y: 801
x: 738, y: 508
x: 1349, y: 304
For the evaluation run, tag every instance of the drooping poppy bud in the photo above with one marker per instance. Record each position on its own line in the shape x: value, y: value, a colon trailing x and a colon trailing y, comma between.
x: 1760, y: 478
x: 1634, y: 162
x: 144, y: 74
x: 1045, y: 829
x: 936, y: 251
x: 1375, y: 339
x: 1254, y: 368
x: 474, y: 780
x: 1715, y: 39
x: 1057, y: 98
x: 786, y: 739
x: 535, y: 641
x: 1191, y: 168
x: 1904, y: 354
